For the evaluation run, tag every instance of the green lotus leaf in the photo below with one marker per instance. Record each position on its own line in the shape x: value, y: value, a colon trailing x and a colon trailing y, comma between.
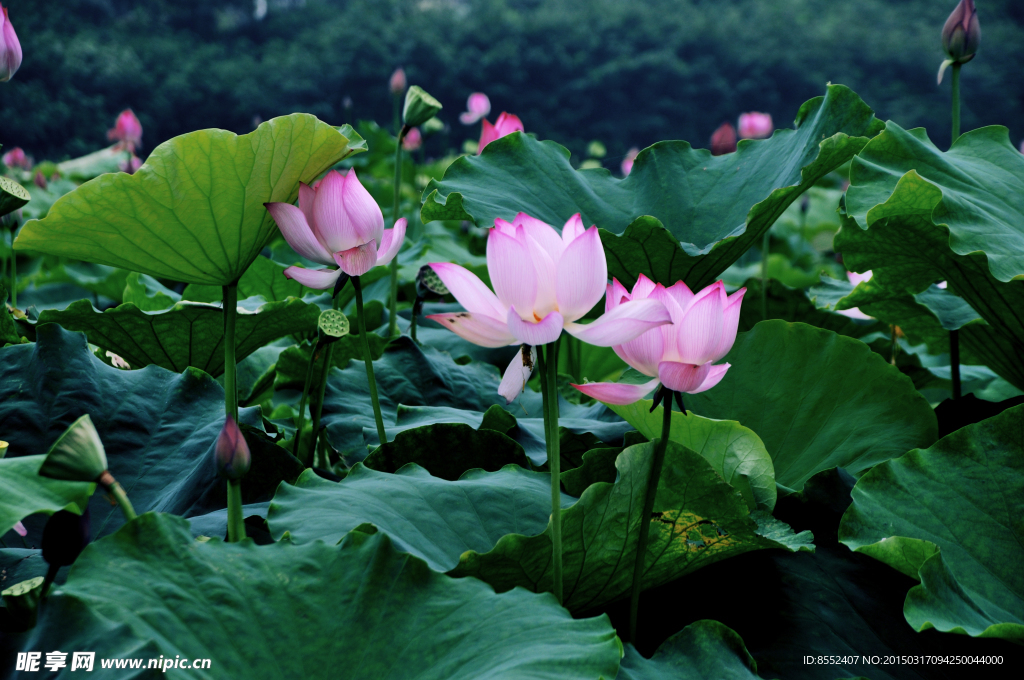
x: 704, y: 650
x: 84, y: 168
x: 148, y: 294
x: 264, y: 277
x: 795, y: 305
x: 950, y: 516
x: 158, y: 428
x: 26, y: 493
x: 194, y: 212
x: 448, y: 450
x: 716, y: 206
x: 735, y: 452
x: 187, y: 334
x: 251, y: 610
x: 817, y: 400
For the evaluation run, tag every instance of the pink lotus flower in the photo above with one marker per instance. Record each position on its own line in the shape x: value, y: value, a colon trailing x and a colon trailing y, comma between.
x: 19, y: 528
x: 397, y: 84
x: 412, y: 140
x: 337, y: 222
x: 543, y: 283
x: 756, y: 125
x: 723, y: 140
x: 10, y: 48
x: 127, y: 131
x: 505, y: 125
x: 16, y: 158
x: 856, y: 279
x: 627, y: 162
x: 680, y: 355
x: 477, y: 107
x: 231, y: 452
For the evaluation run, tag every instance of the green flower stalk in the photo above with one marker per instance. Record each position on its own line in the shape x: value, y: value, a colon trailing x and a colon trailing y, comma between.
x: 368, y: 358
x: 548, y: 367
x: 331, y: 326
x: 230, y: 294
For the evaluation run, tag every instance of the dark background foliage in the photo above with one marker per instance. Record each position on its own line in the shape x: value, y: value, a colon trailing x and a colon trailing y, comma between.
x: 627, y: 73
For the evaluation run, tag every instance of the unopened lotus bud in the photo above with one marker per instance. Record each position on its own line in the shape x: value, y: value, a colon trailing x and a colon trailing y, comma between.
x: 16, y: 158
x: 962, y: 33
x: 65, y: 537
x: 10, y: 48
x: 419, y: 107
x: 127, y: 131
x: 40, y: 180
x: 756, y: 125
x: 723, y: 140
x: 231, y: 451
x: 397, y: 82
x: 412, y: 140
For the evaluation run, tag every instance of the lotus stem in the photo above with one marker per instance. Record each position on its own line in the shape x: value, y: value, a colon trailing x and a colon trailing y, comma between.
x: 956, y: 103
x: 393, y: 299
x: 368, y: 358
x: 657, y: 462
x: 236, y: 524
x: 14, y: 270
x: 302, y: 403
x: 764, y: 274
x: 314, y: 453
x: 114, y: 488
x: 230, y: 388
x: 954, y: 336
x: 548, y: 364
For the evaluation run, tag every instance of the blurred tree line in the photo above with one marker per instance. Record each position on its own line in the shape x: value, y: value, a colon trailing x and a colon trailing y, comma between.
x: 627, y: 73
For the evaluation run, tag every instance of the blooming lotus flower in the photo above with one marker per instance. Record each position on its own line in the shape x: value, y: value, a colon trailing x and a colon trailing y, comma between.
x: 477, y: 106
x: 505, y: 125
x: 543, y: 283
x: 397, y: 83
x: 127, y: 131
x: 756, y: 125
x: 10, y: 48
x: 20, y: 529
x: 723, y: 140
x: 337, y: 222
x: 627, y: 162
x: 231, y: 451
x: 16, y: 158
x: 681, y: 355
x: 412, y: 140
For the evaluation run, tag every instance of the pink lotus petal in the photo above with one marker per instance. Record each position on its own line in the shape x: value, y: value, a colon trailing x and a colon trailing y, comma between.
x: 364, y: 212
x: 318, y: 279
x: 20, y: 529
x: 854, y: 313
x: 643, y: 288
x: 682, y: 377
x: 857, y: 279
x: 544, y: 234
x: 10, y: 51
x: 330, y: 220
x: 359, y: 260
x: 508, y: 123
x: 413, y: 140
x: 391, y: 242
x: 541, y: 333
x: 715, y: 376
x: 627, y: 162
x: 681, y: 293
x: 513, y: 382
x: 755, y: 125
x: 511, y: 270
x: 644, y: 352
x: 487, y: 135
x: 617, y: 393
x: 614, y: 295
x: 505, y: 227
x: 573, y: 229
x: 544, y: 267
x: 297, y: 232
x: 469, y: 290
x: 478, y: 329
x: 624, y: 323
x: 700, y: 330
x: 477, y: 106
x: 582, y: 273
x: 306, y: 196
x: 730, y: 323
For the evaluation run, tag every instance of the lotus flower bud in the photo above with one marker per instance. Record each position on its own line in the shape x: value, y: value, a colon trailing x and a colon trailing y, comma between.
x: 397, y: 82
x: 10, y: 48
x: 723, y: 140
x: 756, y: 125
x: 16, y: 158
x: 419, y: 107
x: 627, y: 162
x: 40, y: 180
x: 65, y: 537
x: 412, y: 140
x: 127, y: 131
x: 231, y: 451
x: 506, y: 124
x: 962, y: 34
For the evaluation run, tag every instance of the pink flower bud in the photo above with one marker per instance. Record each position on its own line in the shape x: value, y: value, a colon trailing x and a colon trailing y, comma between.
x: 16, y: 158
x: 397, y: 82
x: 127, y: 131
x: 723, y: 140
x: 505, y: 125
x: 40, y: 180
x: 231, y: 451
x: 755, y: 125
x: 961, y: 34
x: 10, y: 48
x: 627, y: 162
x: 412, y: 140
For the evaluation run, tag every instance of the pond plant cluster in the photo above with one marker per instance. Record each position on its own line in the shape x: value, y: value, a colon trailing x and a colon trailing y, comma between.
x: 750, y: 413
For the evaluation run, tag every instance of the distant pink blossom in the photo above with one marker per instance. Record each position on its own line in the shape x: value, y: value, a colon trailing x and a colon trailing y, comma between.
x: 412, y: 140
x: 20, y: 529
x: 130, y: 165
x: 127, y: 131
x: 40, y: 180
x: 16, y: 158
x: 505, y: 125
x: 627, y: 162
x: 756, y: 125
x: 397, y: 83
x: 477, y: 106
x: 10, y: 48
x: 723, y: 140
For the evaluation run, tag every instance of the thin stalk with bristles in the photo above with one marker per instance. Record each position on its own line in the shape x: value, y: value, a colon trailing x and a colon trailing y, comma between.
x: 764, y: 274
x: 328, y: 358
x: 302, y: 402
x: 14, y: 270
x: 954, y: 336
x: 547, y: 359
x: 368, y: 358
x: 236, y: 522
x: 393, y: 298
x: 116, y: 491
x: 230, y: 293
x: 657, y: 462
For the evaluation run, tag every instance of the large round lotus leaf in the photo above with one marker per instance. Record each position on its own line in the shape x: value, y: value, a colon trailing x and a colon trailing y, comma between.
x: 362, y: 610
x: 716, y: 206
x: 734, y: 451
x: 158, y: 428
x: 952, y: 516
x: 704, y: 650
x: 25, y: 493
x: 194, y: 212
x: 187, y: 334
x: 817, y: 400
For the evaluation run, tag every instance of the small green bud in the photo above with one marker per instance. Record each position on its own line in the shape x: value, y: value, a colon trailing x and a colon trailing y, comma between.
x: 77, y: 455
x: 419, y: 107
